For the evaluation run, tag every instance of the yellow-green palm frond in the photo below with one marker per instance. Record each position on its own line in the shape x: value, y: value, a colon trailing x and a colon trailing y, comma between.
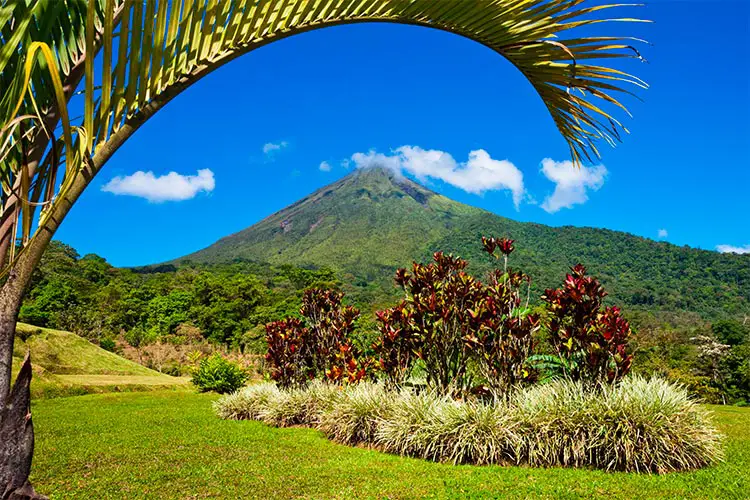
x: 153, y: 49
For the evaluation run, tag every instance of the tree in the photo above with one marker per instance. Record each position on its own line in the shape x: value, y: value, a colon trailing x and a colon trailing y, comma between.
x: 731, y: 332
x: 50, y: 48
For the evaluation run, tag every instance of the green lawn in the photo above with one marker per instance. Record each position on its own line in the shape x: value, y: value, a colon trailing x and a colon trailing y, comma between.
x: 170, y: 445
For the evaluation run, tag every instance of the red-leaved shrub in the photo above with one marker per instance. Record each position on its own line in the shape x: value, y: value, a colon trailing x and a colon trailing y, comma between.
x: 592, y: 340
x: 317, y: 346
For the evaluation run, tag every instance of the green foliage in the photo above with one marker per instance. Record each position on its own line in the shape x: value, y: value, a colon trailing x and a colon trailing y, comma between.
x: 108, y: 344
x: 216, y: 373
x: 368, y: 224
x: 228, y: 303
x: 731, y: 332
x: 638, y: 425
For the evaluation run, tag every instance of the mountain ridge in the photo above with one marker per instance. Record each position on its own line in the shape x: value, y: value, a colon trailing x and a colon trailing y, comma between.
x: 372, y: 221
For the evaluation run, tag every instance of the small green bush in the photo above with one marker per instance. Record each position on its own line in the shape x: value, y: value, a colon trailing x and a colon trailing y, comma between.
x: 107, y: 344
x: 219, y: 375
x: 636, y: 425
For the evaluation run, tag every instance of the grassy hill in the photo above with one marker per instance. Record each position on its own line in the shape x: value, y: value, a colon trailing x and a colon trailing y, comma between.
x: 371, y: 222
x: 66, y: 364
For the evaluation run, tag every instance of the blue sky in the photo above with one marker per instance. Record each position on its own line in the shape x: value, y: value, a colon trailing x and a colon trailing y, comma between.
x: 255, y: 132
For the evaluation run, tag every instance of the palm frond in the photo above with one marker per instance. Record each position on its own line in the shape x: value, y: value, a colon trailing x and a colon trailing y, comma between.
x: 154, y: 49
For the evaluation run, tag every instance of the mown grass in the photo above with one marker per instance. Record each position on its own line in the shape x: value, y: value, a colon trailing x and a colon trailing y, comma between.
x: 171, y: 445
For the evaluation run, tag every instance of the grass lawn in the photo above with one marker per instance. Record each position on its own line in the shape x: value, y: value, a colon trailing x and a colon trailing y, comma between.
x: 169, y: 444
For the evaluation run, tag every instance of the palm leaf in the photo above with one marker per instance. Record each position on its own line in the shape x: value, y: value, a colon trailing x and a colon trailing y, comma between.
x: 166, y: 45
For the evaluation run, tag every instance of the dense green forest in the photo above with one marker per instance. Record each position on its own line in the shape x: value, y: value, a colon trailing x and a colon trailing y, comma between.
x: 224, y: 304
x: 158, y: 315
x: 371, y: 222
x: 689, y: 307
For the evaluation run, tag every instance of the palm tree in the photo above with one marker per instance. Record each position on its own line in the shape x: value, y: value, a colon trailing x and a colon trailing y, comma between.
x: 151, y: 50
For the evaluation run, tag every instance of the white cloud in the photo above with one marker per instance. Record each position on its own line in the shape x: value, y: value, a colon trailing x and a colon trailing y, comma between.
x: 479, y: 174
x: 325, y: 166
x: 169, y: 187
x: 662, y: 233
x: 571, y: 183
x: 733, y: 249
x: 345, y: 163
x: 271, y: 147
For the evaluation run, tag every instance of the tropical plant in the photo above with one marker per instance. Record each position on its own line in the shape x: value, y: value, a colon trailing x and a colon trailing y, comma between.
x: 318, y: 346
x: 152, y: 50
x: 590, y: 338
x: 330, y: 324
x: 289, y: 354
x: 504, y: 339
x: 452, y: 322
x: 397, y: 345
x: 218, y: 374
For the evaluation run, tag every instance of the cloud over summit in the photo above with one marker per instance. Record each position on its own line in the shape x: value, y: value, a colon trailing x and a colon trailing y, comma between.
x: 480, y: 173
x: 571, y: 184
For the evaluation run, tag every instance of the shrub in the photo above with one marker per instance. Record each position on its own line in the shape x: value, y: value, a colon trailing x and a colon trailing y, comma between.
x: 591, y: 340
x: 638, y: 425
x: 289, y: 353
x: 450, y: 320
x: 108, y: 344
x: 397, y: 345
x: 219, y: 375
x: 319, y: 346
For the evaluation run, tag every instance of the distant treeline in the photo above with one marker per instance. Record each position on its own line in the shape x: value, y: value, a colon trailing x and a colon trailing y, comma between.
x: 227, y: 303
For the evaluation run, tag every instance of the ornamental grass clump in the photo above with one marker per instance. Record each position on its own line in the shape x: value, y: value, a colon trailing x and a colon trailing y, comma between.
x: 248, y: 403
x: 637, y: 425
x: 357, y: 413
x: 435, y: 427
x: 414, y: 426
x: 302, y: 406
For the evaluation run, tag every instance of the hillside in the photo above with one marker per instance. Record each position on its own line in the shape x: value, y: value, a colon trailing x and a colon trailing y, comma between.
x: 371, y: 222
x: 65, y: 363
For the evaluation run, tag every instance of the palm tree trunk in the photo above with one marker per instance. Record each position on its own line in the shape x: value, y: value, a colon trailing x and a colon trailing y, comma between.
x: 16, y: 427
x: 11, y: 294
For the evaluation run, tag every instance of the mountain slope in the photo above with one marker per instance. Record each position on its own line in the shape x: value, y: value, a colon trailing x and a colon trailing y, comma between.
x: 366, y: 223
x: 372, y: 222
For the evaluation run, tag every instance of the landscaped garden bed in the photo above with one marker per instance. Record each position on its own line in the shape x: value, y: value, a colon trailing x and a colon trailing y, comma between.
x: 466, y: 372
